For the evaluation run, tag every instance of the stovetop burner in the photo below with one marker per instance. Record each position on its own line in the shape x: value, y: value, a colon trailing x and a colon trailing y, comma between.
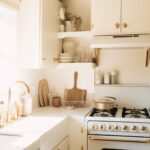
x: 104, y: 113
x: 135, y: 113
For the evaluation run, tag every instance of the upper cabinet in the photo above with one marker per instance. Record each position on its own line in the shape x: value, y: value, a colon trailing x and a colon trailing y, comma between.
x: 106, y: 17
x: 111, y: 17
x: 135, y: 16
x: 37, y: 32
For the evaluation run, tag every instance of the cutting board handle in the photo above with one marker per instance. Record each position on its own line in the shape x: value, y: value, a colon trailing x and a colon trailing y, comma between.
x: 75, y: 79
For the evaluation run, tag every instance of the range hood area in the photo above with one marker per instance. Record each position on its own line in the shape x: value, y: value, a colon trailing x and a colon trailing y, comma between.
x: 121, y: 41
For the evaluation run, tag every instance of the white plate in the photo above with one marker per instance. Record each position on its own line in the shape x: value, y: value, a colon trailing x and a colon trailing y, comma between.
x: 67, y: 58
x: 65, y: 55
x: 66, y: 61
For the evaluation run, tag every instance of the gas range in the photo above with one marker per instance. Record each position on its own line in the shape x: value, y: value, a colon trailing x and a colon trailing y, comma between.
x: 123, y: 123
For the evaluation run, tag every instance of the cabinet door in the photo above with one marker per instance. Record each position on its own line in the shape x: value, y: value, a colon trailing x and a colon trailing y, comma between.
x: 38, y: 25
x: 76, y: 133
x: 106, y: 17
x: 29, y: 38
x: 135, y: 16
x: 49, y: 28
x: 64, y: 145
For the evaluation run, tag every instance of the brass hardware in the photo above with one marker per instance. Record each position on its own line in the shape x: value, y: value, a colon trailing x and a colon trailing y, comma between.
x: 82, y: 130
x: 9, y: 115
x: 117, y: 25
x: 147, y: 57
x: 125, y: 25
x: 119, y: 140
x: 82, y: 147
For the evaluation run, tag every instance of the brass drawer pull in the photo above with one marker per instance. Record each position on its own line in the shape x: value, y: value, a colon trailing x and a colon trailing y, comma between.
x: 117, y: 25
x: 125, y: 25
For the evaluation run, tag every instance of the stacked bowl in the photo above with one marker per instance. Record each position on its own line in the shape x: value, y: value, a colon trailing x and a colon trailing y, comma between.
x: 66, y: 58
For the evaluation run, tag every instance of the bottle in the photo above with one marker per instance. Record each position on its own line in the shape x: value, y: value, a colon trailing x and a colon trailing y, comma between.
x: 106, y: 78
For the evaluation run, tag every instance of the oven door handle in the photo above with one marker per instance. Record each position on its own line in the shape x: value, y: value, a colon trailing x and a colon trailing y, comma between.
x: 119, y: 139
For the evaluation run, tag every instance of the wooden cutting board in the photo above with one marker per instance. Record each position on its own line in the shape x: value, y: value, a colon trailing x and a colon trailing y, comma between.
x: 75, y: 94
x: 43, y: 93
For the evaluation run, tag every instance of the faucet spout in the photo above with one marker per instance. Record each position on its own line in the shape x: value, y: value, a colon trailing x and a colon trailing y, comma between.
x: 9, y: 97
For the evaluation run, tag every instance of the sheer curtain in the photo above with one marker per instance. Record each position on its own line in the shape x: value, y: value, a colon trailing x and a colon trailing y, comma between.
x: 8, y: 45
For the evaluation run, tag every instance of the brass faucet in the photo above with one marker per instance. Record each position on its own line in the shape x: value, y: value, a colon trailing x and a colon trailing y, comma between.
x: 9, y: 97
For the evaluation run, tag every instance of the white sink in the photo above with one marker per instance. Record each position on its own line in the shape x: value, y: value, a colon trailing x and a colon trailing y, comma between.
x: 18, y: 141
x: 9, y: 138
x: 7, y: 141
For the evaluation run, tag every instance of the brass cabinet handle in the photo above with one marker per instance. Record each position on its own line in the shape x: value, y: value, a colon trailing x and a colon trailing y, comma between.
x: 117, y: 25
x: 125, y: 25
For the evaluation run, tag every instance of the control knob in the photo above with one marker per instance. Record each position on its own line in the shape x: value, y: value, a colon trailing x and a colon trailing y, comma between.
x: 101, y: 127
x: 125, y: 128
x: 143, y: 128
x: 134, y: 128
x: 94, y: 127
x: 110, y: 128
x: 116, y: 127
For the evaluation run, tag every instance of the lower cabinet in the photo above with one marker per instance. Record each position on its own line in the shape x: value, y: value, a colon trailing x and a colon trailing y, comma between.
x: 63, y: 145
x: 70, y: 134
x: 77, y: 133
x: 54, y: 136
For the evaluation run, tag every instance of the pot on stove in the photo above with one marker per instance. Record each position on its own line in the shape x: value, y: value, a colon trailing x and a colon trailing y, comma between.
x: 106, y: 103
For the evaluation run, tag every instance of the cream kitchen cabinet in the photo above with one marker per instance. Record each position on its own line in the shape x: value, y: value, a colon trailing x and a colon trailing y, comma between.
x: 54, y: 137
x: 38, y: 26
x: 64, y: 145
x: 111, y: 17
x: 77, y: 133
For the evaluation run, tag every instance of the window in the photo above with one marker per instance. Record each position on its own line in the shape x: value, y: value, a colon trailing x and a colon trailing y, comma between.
x: 8, y: 45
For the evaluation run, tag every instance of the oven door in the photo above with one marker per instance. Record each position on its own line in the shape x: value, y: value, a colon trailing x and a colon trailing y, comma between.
x: 97, y: 143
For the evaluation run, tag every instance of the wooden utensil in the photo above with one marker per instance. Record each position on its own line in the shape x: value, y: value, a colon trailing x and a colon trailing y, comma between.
x: 75, y: 94
x: 43, y: 93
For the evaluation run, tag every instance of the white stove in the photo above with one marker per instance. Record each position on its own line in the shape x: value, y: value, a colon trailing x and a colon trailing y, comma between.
x: 118, y: 129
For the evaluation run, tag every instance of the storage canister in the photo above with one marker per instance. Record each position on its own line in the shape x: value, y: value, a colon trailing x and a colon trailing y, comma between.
x: 114, y: 77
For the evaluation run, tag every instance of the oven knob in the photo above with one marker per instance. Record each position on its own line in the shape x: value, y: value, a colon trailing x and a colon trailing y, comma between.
x: 110, y: 128
x: 143, y: 129
x: 95, y: 127
x: 116, y: 127
x: 125, y: 128
x: 101, y: 127
x: 134, y: 128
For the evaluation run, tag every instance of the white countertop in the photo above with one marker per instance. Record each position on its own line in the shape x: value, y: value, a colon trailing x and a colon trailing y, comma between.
x: 32, y: 127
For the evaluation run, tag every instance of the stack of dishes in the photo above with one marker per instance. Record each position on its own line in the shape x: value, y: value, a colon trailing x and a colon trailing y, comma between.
x: 66, y: 58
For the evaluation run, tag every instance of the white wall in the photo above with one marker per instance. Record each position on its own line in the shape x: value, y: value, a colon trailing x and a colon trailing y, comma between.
x: 61, y: 78
x: 131, y: 66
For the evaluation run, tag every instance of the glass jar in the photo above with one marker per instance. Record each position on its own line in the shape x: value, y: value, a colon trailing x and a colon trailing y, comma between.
x: 114, y: 77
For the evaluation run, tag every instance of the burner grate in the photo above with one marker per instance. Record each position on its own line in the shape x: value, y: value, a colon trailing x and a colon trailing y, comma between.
x: 135, y: 113
x: 104, y: 113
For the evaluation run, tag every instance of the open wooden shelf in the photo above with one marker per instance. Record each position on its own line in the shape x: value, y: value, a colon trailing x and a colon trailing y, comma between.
x: 84, y: 64
x: 122, y: 85
x: 86, y: 34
